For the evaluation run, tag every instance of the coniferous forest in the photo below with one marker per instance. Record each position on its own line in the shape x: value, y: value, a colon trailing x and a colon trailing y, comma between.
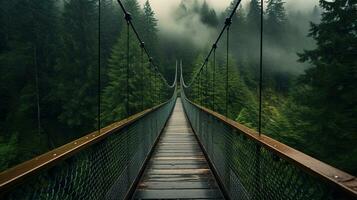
x: 62, y: 61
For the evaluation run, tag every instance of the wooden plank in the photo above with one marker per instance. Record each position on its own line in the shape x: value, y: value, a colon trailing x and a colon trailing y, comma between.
x: 177, y: 185
x: 178, y: 171
x: 178, y: 162
x: 178, y: 168
x: 178, y: 194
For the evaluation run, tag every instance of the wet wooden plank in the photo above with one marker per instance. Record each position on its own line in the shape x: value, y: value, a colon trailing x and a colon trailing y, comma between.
x: 179, y: 194
x: 179, y: 185
x: 177, y: 168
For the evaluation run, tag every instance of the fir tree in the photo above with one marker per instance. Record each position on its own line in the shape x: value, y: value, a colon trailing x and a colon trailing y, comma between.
x: 326, y: 92
x: 150, y: 27
x: 77, y: 69
x: 26, y: 59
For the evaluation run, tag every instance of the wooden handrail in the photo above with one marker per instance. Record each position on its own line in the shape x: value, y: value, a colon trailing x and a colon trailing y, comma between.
x: 331, y: 175
x: 16, y: 175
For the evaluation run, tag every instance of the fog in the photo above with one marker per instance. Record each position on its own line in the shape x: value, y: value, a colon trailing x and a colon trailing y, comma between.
x: 168, y: 25
x: 164, y: 8
x: 189, y: 28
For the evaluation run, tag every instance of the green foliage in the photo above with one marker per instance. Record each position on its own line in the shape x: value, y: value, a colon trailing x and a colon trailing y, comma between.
x: 317, y: 112
x: 327, y: 90
x: 115, y: 92
x: 77, y: 67
x: 58, y: 43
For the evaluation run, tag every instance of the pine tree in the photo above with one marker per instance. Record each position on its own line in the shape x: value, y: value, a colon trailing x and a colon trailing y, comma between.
x: 150, y: 27
x: 208, y: 16
x: 114, y: 95
x: 77, y: 69
x: 326, y: 92
x: 276, y: 20
x: 110, y: 26
x: 27, y: 55
x: 253, y: 16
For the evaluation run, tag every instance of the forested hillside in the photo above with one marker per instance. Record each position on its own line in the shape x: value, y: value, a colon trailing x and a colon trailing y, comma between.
x: 49, y: 74
x: 309, y: 83
x: 63, y: 70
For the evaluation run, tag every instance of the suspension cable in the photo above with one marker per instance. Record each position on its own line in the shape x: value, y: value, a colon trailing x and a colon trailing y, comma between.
x: 214, y: 76
x: 228, y: 23
x: 127, y: 16
x: 131, y: 24
x: 206, y: 86
x: 216, y: 42
x: 261, y: 67
x: 37, y: 86
x: 142, y: 74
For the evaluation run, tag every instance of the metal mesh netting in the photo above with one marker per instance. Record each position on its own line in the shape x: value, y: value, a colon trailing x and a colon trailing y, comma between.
x: 105, y: 170
x: 247, y: 170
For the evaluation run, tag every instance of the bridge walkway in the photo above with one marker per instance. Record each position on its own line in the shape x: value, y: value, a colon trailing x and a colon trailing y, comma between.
x: 178, y: 168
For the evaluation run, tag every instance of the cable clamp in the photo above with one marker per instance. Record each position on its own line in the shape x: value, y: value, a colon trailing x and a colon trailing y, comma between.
x: 127, y: 17
x: 228, y: 21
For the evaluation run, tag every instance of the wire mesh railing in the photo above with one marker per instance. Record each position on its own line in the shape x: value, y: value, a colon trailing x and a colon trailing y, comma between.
x: 253, y: 166
x: 97, y: 166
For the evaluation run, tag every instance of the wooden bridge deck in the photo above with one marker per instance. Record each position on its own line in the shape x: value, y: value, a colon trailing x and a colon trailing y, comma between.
x: 177, y: 168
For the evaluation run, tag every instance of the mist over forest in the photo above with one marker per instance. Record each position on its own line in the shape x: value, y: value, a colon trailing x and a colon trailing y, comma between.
x: 51, y: 58
x: 183, y: 26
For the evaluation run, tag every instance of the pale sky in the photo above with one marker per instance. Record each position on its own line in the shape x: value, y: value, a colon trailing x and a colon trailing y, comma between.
x: 163, y: 8
x: 199, y: 33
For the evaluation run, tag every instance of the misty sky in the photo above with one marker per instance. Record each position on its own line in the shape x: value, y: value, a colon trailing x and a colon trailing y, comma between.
x: 193, y: 30
x: 163, y: 11
x: 163, y: 8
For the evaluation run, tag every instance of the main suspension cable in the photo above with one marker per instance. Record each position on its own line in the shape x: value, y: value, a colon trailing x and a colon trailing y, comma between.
x: 216, y: 42
x: 128, y: 18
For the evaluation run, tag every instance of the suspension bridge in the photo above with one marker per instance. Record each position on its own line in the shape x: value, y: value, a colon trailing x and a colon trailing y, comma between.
x: 178, y: 149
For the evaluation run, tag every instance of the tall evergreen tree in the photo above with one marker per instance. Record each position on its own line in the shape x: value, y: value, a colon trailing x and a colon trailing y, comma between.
x: 276, y: 19
x: 26, y: 60
x: 77, y: 68
x: 326, y: 92
x: 140, y: 79
x: 253, y: 16
x: 150, y: 27
x: 208, y: 16
x: 110, y: 26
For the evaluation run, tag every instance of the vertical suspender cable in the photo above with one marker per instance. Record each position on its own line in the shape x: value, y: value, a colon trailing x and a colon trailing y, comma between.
x: 142, y: 75
x: 99, y: 64
x: 258, y: 151
x: 214, y: 76
x: 156, y: 102
x: 151, y: 83
x: 206, y: 82
x: 261, y: 67
x: 201, y: 92
x: 37, y: 85
x: 228, y: 23
x: 128, y: 18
